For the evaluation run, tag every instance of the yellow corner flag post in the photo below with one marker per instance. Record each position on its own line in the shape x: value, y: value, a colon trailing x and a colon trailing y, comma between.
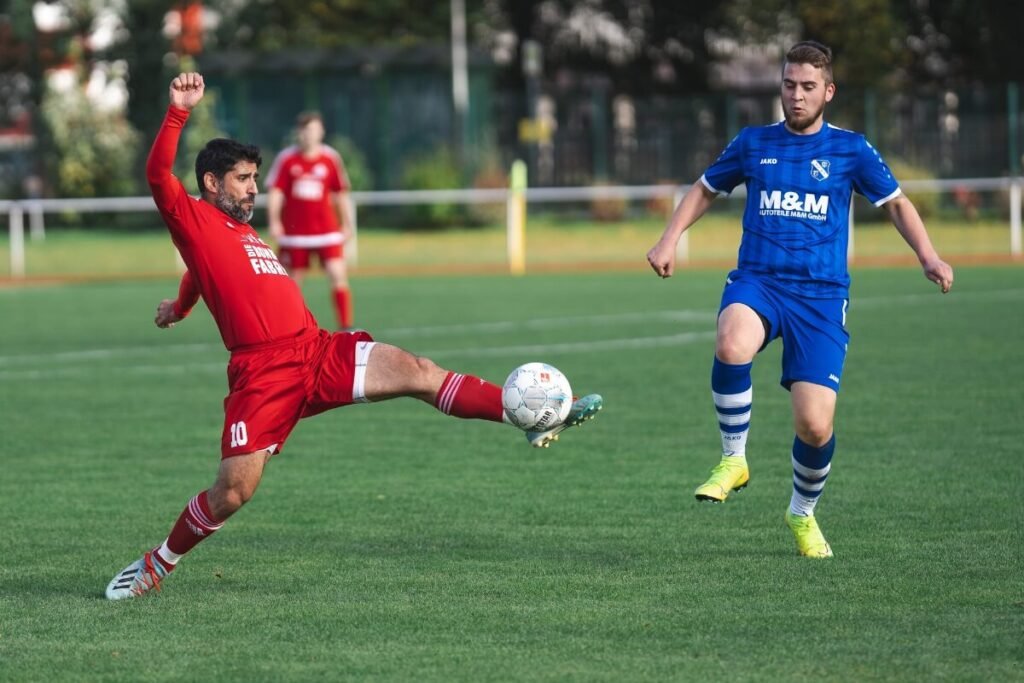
x: 516, y: 218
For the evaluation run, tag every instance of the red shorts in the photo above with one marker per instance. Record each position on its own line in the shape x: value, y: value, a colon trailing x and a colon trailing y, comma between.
x: 295, y: 257
x: 272, y: 386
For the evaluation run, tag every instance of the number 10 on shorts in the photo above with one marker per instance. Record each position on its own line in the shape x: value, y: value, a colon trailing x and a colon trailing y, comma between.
x: 239, y: 435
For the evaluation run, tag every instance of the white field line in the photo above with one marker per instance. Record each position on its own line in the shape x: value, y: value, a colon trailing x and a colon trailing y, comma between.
x: 99, y: 354
x: 537, y: 350
x: 385, y: 334
x: 593, y: 346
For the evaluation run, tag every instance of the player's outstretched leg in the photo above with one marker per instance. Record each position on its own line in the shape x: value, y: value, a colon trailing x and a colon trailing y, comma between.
x: 583, y: 409
x: 392, y: 372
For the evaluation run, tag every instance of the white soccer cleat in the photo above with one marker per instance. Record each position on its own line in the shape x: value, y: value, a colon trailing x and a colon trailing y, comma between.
x: 583, y: 409
x: 139, y: 577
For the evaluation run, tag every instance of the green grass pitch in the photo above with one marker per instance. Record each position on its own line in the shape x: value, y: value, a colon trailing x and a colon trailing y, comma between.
x: 389, y: 542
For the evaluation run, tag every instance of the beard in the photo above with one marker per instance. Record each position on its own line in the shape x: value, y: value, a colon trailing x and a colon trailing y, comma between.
x: 234, y: 207
x: 810, y: 117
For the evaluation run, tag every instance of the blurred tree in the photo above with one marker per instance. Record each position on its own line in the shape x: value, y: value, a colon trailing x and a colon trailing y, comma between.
x: 330, y: 23
x: 86, y: 142
x: 95, y: 146
x: 147, y: 50
x: 863, y: 34
x: 950, y: 42
x: 643, y: 45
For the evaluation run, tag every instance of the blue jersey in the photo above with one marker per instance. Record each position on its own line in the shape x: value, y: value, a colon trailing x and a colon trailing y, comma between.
x: 799, y: 188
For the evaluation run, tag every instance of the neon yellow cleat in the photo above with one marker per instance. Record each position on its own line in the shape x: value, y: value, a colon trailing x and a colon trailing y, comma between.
x: 809, y: 539
x: 731, y: 474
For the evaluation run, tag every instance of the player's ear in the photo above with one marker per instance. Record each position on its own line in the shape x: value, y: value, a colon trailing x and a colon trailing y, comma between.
x: 210, y: 183
x: 830, y: 92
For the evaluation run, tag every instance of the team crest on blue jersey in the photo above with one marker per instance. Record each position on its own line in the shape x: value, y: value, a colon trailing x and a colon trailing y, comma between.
x: 820, y: 169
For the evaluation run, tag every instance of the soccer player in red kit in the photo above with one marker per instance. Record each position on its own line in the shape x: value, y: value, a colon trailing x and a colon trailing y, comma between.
x: 283, y: 367
x: 307, y: 210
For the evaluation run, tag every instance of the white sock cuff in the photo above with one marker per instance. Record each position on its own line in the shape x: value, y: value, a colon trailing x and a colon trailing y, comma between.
x: 739, y: 400
x: 167, y: 555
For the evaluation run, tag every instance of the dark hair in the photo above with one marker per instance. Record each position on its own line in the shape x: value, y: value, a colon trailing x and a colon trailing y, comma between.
x: 813, y: 53
x: 308, y: 117
x: 220, y: 156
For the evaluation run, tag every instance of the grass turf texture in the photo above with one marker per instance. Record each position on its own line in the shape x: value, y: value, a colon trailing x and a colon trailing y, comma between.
x: 389, y: 542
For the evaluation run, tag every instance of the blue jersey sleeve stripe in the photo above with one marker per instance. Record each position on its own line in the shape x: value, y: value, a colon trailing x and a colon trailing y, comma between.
x: 896, y: 193
x: 712, y: 188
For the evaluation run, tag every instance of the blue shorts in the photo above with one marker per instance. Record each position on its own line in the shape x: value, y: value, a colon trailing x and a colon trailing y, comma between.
x: 813, y: 331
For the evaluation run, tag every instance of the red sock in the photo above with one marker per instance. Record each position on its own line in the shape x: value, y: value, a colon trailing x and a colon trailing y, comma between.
x: 469, y: 397
x: 343, y: 307
x: 195, y: 523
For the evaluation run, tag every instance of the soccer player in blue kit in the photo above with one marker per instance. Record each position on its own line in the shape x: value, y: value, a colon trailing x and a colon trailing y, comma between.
x: 791, y: 280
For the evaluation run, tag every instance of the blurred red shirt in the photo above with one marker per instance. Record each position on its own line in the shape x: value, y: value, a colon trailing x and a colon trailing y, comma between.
x: 307, y: 184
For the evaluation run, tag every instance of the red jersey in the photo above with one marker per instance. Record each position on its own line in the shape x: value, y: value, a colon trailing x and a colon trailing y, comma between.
x: 249, y: 293
x: 308, y: 184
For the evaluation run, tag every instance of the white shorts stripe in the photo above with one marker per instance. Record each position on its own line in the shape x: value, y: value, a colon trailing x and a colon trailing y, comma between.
x: 734, y: 400
x: 310, y: 241
x: 363, y: 350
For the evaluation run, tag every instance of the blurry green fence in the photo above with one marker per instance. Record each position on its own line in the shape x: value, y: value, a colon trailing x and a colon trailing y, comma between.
x: 395, y: 106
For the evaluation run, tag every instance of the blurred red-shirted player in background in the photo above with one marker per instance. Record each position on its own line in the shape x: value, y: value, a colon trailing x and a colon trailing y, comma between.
x: 307, y: 210
x: 283, y: 367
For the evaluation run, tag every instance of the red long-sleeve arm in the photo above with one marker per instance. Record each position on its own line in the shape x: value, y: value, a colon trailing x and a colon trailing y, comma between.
x: 160, y: 164
x: 188, y: 295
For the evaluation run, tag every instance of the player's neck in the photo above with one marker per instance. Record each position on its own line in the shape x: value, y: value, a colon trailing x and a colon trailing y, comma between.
x: 809, y: 130
x: 312, y: 152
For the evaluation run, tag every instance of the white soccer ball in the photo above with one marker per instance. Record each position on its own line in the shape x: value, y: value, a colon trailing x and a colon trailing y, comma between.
x: 536, y: 396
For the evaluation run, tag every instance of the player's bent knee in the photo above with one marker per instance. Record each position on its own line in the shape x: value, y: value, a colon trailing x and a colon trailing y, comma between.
x: 236, y: 483
x: 734, y: 350
x: 427, y: 368
x: 238, y: 496
x: 226, y: 500
x: 814, y: 432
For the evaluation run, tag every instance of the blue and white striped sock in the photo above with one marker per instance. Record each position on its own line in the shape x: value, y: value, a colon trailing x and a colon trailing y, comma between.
x: 733, y: 393
x: 810, y: 470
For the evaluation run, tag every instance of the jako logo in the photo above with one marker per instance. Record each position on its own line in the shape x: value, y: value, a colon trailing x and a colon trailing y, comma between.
x: 769, y: 161
x: 790, y: 201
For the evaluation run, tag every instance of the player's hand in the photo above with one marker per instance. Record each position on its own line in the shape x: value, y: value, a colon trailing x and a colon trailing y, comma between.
x: 276, y: 230
x: 165, y: 315
x: 186, y: 90
x: 662, y: 258
x: 939, y: 272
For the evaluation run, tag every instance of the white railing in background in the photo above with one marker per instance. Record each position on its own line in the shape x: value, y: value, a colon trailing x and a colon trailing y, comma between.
x: 35, y: 209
